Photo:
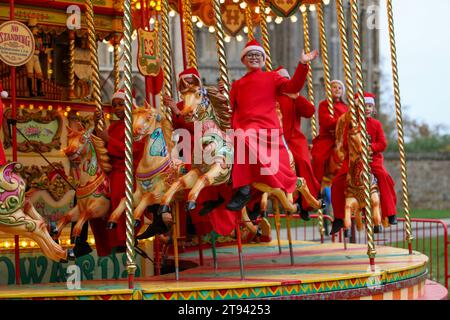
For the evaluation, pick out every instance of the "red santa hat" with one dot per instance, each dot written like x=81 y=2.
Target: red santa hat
x=190 y=73
x=369 y=98
x=253 y=45
x=283 y=72
x=3 y=93
x=120 y=94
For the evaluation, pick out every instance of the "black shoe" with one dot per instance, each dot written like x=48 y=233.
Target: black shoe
x=338 y=224
x=304 y=215
x=240 y=199
x=377 y=229
x=210 y=205
x=157 y=227
x=393 y=220
x=81 y=249
x=255 y=212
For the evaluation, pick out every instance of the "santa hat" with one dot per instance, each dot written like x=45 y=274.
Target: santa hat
x=283 y=72
x=120 y=94
x=369 y=98
x=341 y=84
x=253 y=45
x=3 y=93
x=189 y=73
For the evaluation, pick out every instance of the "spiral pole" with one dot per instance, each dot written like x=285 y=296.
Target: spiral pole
x=265 y=33
x=166 y=53
x=249 y=22
x=189 y=33
x=325 y=61
x=346 y=61
x=71 y=64
x=361 y=115
x=307 y=44
x=221 y=53
x=399 y=121
x=92 y=40
x=116 y=64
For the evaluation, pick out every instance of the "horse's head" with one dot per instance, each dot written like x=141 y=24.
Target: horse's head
x=77 y=142
x=145 y=120
x=195 y=98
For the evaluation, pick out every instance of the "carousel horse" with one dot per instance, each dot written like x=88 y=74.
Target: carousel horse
x=19 y=217
x=354 y=194
x=89 y=153
x=156 y=171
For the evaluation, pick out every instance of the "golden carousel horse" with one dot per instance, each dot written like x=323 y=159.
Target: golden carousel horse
x=19 y=217
x=89 y=153
x=156 y=171
x=354 y=194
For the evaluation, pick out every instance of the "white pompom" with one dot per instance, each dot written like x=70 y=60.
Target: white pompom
x=4 y=94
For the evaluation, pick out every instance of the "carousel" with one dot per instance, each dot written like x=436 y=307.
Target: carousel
x=66 y=232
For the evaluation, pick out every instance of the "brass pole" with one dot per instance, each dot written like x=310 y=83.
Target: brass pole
x=92 y=40
x=325 y=61
x=371 y=252
x=129 y=179
x=399 y=118
x=72 y=64
x=189 y=33
x=116 y=63
x=265 y=33
x=166 y=53
x=249 y=22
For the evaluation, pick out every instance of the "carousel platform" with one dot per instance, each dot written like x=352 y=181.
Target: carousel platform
x=320 y=271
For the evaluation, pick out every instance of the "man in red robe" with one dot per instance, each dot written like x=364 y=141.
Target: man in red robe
x=256 y=126
x=114 y=138
x=388 y=198
x=294 y=107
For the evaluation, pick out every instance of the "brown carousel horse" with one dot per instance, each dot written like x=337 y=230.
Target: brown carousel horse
x=156 y=171
x=89 y=153
x=354 y=194
x=19 y=217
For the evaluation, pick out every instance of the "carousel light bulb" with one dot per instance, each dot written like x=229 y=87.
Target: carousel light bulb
x=227 y=39
x=211 y=29
x=257 y=10
x=294 y=19
x=105 y=41
x=239 y=38
x=243 y=5
x=269 y=19
x=50 y=108
x=312 y=7
x=138 y=6
x=22 y=106
x=222 y=1
x=278 y=20
x=152 y=20
x=6 y=244
x=68 y=109
x=119 y=49
x=199 y=24
x=303 y=8
x=65 y=113
x=24 y=244
x=41 y=107
x=108 y=116
x=77 y=113
x=110 y=48
x=194 y=19
x=172 y=13
x=68 y=242
x=146 y=28
x=92 y=241
x=31 y=107
x=32 y=244
x=158 y=8
x=235 y=1
x=326 y=2
x=267 y=10
x=152 y=4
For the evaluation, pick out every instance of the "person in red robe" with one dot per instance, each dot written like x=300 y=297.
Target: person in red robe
x=293 y=107
x=388 y=198
x=3 y=95
x=324 y=143
x=114 y=138
x=257 y=130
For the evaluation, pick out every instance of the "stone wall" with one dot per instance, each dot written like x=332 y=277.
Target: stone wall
x=428 y=179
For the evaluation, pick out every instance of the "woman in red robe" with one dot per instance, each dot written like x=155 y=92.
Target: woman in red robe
x=324 y=143
x=253 y=103
x=293 y=108
x=388 y=198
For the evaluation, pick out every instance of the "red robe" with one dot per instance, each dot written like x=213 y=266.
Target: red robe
x=2 y=152
x=116 y=151
x=253 y=101
x=324 y=143
x=293 y=110
x=388 y=198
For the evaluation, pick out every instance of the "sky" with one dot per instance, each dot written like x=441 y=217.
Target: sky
x=423 y=50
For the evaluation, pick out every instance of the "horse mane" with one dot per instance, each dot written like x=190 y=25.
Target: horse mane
x=220 y=107
x=166 y=125
x=102 y=153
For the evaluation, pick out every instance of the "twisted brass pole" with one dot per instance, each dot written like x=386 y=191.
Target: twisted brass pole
x=129 y=181
x=166 y=53
x=116 y=64
x=221 y=53
x=346 y=61
x=72 y=64
x=189 y=34
x=361 y=115
x=399 y=118
x=307 y=45
x=92 y=40
x=325 y=61
x=249 y=22
x=265 y=33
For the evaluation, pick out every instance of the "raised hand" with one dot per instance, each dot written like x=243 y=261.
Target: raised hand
x=169 y=102
x=307 y=57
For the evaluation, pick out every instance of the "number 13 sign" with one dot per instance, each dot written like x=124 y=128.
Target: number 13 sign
x=149 y=63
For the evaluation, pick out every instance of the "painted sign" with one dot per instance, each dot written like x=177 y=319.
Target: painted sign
x=233 y=19
x=149 y=62
x=285 y=8
x=16 y=43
